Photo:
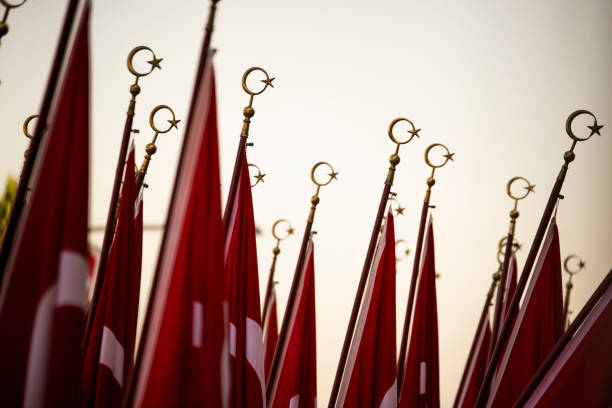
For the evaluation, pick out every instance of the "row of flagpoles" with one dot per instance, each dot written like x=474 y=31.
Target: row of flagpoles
x=205 y=340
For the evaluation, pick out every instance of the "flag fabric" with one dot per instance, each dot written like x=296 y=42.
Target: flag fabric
x=582 y=374
x=421 y=385
x=476 y=367
x=109 y=352
x=242 y=292
x=183 y=346
x=370 y=373
x=44 y=292
x=296 y=382
x=270 y=330
x=537 y=327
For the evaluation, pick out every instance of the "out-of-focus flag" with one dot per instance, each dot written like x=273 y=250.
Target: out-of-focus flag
x=44 y=292
x=537 y=328
x=109 y=353
x=421 y=385
x=270 y=330
x=242 y=292
x=509 y=289
x=296 y=384
x=182 y=354
x=370 y=374
x=476 y=367
x=581 y=375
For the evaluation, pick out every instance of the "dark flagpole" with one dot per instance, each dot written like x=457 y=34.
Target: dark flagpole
x=417 y=259
x=565 y=338
x=275 y=252
x=297 y=277
x=568 y=157
x=248 y=113
x=109 y=229
x=514 y=214
x=26 y=172
x=204 y=55
x=394 y=160
x=569 y=285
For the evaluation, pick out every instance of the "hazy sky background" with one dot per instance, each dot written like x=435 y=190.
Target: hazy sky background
x=494 y=81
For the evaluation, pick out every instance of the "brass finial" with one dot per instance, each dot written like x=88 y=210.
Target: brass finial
x=249 y=112
x=151 y=148
x=8 y=6
x=399 y=210
x=315 y=198
x=514 y=212
x=394 y=159
x=569 y=155
x=135 y=88
x=259 y=176
x=431 y=180
x=404 y=253
x=26 y=131
x=578 y=267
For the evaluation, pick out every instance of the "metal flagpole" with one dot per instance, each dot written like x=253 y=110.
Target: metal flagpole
x=394 y=160
x=297 y=277
x=514 y=214
x=417 y=257
x=568 y=157
x=248 y=113
x=569 y=285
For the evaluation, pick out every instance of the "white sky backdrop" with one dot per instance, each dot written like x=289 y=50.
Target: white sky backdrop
x=495 y=81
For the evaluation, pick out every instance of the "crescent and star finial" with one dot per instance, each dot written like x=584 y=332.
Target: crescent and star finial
x=580 y=265
x=595 y=128
x=154 y=62
x=267 y=81
x=26 y=125
x=448 y=156
x=404 y=253
x=151 y=148
x=314 y=200
x=9 y=6
x=399 y=210
x=289 y=231
x=259 y=176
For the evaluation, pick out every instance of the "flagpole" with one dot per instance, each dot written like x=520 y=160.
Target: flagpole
x=4 y=28
x=204 y=55
x=417 y=258
x=564 y=340
x=569 y=285
x=248 y=113
x=394 y=160
x=297 y=277
x=275 y=252
x=514 y=214
x=28 y=165
x=109 y=229
x=568 y=157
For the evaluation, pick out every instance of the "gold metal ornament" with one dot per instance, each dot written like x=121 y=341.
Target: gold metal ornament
x=8 y=7
x=259 y=176
x=249 y=112
x=569 y=155
x=399 y=210
x=514 y=212
x=431 y=180
x=573 y=271
x=333 y=175
x=288 y=232
x=26 y=125
x=151 y=148
x=404 y=253
x=394 y=159
x=135 y=88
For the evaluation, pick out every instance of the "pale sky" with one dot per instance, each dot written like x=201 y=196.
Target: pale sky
x=494 y=81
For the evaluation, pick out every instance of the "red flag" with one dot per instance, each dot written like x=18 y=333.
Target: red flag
x=509 y=289
x=421 y=387
x=182 y=356
x=296 y=383
x=270 y=331
x=476 y=367
x=44 y=293
x=370 y=374
x=582 y=374
x=242 y=291
x=110 y=349
x=537 y=327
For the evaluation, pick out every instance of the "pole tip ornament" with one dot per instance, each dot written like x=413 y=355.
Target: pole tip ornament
x=529 y=188
x=413 y=131
x=404 y=253
x=154 y=62
x=288 y=231
x=173 y=122
x=595 y=128
x=26 y=125
x=267 y=81
x=578 y=266
x=399 y=210
x=333 y=175
x=447 y=157
x=259 y=176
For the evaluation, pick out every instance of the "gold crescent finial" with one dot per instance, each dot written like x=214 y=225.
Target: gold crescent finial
x=404 y=253
x=151 y=148
x=154 y=62
x=11 y=6
x=314 y=200
x=528 y=189
x=580 y=266
x=595 y=128
x=413 y=132
x=259 y=176
x=431 y=180
x=399 y=210
x=289 y=231
x=267 y=82
x=26 y=125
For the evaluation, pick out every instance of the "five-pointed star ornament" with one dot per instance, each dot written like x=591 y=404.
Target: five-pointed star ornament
x=259 y=177
x=268 y=81
x=155 y=63
x=595 y=128
x=334 y=175
x=415 y=132
x=449 y=156
x=530 y=188
x=290 y=231
x=400 y=210
x=581 y=264
x=174 y=123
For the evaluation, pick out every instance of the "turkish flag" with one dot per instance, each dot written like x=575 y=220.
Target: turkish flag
x=370 y=373
x=476 y=367
x=109 y=352
x=296 y=383
x=270 y=330
x=537 y=327
x=44 y=292
x=421 y=387
x=582 y=374
x=242 y=292
x=182 y=352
